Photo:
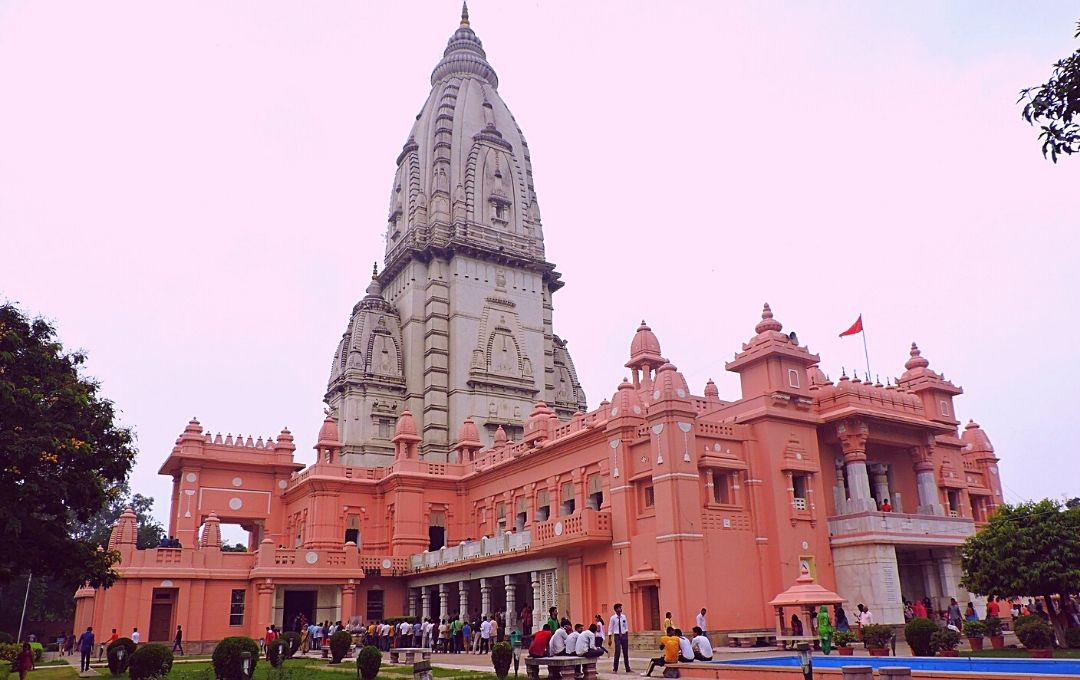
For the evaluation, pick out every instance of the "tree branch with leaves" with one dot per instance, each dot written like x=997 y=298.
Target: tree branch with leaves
x=1055 y=107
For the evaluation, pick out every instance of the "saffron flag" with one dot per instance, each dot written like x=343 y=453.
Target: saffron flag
x=855 y=327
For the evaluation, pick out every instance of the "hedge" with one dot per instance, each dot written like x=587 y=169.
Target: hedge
x=150 y=661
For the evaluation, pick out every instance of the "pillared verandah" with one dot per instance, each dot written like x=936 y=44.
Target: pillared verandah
x=459 y=470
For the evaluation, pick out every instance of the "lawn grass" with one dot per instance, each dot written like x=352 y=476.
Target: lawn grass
x=1021 y=654
x=313 y=669
x=64 y=672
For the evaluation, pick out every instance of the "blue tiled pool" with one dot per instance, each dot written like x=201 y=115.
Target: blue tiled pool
x=918 y=663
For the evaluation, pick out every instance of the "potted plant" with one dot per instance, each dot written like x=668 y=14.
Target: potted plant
x=1037 y=638
x=996 y=632
x=974 y=632
x=917 y=633
x=502 y=654
x=877 y=638
x=945 y=642
x=843 y=639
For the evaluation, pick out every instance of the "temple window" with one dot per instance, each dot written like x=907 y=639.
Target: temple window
x=799 y=486
x=954 y=502
x=500 y=517
x=596 y=493
x=943 y=406
x=793 y=378
x=648 y=497
x=543 y=505
x=375 y=605
x=385 y=428
x=236 y=607
x=521 y=517
x=725 y=482
x=568 y=503
x=436 y=530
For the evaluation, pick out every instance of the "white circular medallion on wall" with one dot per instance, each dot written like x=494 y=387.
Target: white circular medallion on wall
x=236 y=481
x=386 y=563
x=166 y=584
x=191 y=476
x=311 y=557
x=681 y=392
x=558 y=528
x=656 y=395
x=614 y=411
x=282 y=483
x=235 y=503
x=805 y=545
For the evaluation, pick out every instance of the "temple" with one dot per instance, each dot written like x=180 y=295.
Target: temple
x=459 y=469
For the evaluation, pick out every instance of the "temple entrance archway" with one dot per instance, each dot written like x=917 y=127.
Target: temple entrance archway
x=297 y=602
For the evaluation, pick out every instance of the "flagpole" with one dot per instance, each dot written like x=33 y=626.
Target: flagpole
x=865 y=350
x=26 y=598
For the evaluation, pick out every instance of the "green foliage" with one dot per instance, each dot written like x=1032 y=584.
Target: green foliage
x=843 y=638
x=1035 y=635
x=944 y=639
x=1029 y=548
x=368 y=661
x=917 y=633
x=877 y=635
x=1021 y=621
x=1054 y=105
x=118 y=663
x=228 y=657
x=63 y=454
x=339 y=646
x=1072 y=638
x=994 y=627
x=292 y=639
x=239 y=547
x=276 y=652
x=8 y=651
x=975 y=629
x=502 y=655
x=150 y=661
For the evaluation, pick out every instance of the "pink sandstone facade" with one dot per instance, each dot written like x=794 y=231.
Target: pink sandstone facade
x=459 y=470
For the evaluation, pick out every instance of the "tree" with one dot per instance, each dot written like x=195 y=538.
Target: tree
x=62 y=454
x=1031 y=548
x=239 y=547
x=99 y=527
x=1055 y=105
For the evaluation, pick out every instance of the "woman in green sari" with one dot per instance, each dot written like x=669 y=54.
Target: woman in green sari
x=824 y=629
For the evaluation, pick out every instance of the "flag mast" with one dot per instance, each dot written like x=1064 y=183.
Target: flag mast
x=866 y=351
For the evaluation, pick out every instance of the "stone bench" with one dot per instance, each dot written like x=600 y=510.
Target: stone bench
x=783 y=640
x=737 y=638
x=560 y=667
x=410 y=654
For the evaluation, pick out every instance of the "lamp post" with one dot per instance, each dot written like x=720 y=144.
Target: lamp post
x=806 y=661
x=245 y=664
x=120 y=652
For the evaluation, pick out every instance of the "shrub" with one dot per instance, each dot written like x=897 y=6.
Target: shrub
x=8 y=651
x=339 y=646
x=945 y=639
x=993 y=626
x=368 y=661
x=150 y=661
x=118 y=665
x=1035 y=635
x=276 y=652
x=228 y=657
x=1021 y=621
x=292 y=640
x=877 y=635
x=1072 y=638
x=918 y=632
x=6 y=638
x=502 y=655
x=975 y=629
x=843 y=638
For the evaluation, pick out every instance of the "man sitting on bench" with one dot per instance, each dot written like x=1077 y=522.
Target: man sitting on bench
x=670 y=644
x=557 y=646
x=702 y=646
x=686 y=650
x=586 y=644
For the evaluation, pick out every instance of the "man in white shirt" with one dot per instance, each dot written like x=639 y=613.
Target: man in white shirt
x=405 y=629
x=865 y=617
x=557 y=646
x=485 y=635
x=135 y=635
x=425 y=633
x=701 y=620
x=619 y=630
x=686 y=650
x=701 y=645
x=571 y=640
x=586 y=643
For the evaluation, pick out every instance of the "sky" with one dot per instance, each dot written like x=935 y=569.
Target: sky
x=194 y=194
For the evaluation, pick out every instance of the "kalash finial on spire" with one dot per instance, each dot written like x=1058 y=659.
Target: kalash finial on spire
x=465 y=14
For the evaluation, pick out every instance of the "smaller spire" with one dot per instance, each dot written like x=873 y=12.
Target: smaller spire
x=375 y=269
x=465 y=14
x=917 y=360
x=767 y=323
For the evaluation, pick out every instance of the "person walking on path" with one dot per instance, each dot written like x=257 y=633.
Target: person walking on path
x=700 y=621
x=824 y=629
x=86 y=648
x=954 y=613
x=619 y=630
x=178 y=641
x=24 y=662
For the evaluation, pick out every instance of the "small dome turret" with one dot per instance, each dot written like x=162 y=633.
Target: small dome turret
x=711 y=391
x=406 y=425
x=917 y=360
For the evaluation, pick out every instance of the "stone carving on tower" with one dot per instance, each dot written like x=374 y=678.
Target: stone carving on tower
x=366 y=392
x=466 y=272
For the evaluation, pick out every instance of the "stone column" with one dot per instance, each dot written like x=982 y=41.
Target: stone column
x=265 y=607
x=857 y=672
x=485 y=597
x=895 y=673
x=511 y=602
x=425 y=602
x=444 y=597
x=853 y=436
x=839 y=491
x=348 y=602
x=412 y=603
x=463 y=598
x=929 y=502
x=538 y=616
x=880 y=478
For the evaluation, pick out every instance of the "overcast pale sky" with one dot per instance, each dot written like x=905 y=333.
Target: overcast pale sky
x=194 y=193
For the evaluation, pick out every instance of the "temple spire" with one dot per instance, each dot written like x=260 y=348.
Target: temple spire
x=464 y=14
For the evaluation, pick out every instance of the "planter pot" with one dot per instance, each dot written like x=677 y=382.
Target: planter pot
x=948 y=652
x=845 y=651
x=1041 y=653
x=976 y=644
x=997 y=641
x=878 y=651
